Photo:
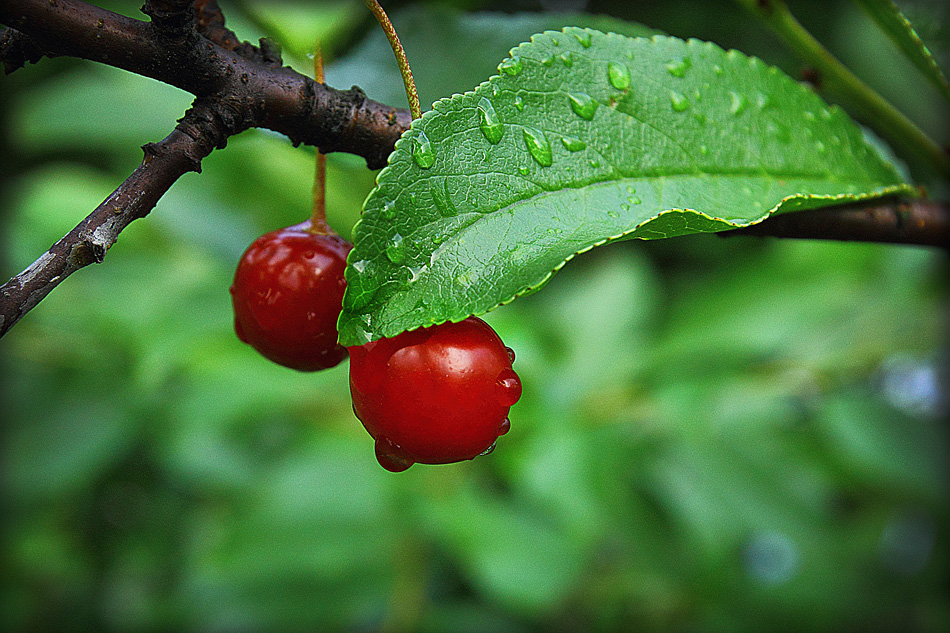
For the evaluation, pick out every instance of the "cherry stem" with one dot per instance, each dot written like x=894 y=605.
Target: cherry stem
x=414 y=109
x=318 y=214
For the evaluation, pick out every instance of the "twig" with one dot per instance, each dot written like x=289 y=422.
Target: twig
x=891 y=221
x=196 y=135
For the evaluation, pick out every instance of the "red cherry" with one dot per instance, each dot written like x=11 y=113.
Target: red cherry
x=434 y=395
x=288 y=293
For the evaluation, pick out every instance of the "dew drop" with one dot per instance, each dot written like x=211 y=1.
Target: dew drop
x=567 y=59
x=511 y=66
x=825 y=114
x=548 y=60
x=391 y=457
x=524 y=171
x=389 y=210
x=509 y=387
x=634 y=200
x=678 y=67
x=489 y=122
x=737 y=103
x=594 y=163
x=495 y=90
x=361 y=266
x=820 y=147
x=613 y=214
x=395 y=250
x=422 y=152
x=572 y=144
x=584 y=38
x=583 y=105
x=555 y=41
x=809 y=115
x=678 y=101
x=762 y=100
x=504 y=427
x=511 y=354
x=519 y=102
x=618 y=75
x=717 y=69
x=488 y=450
x=703 y=150
x=538 y=146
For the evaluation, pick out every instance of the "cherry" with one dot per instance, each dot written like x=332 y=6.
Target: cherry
x=434 y=395
x=288 y=293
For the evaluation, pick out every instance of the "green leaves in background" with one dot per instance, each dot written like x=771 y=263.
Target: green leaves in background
x=450 y=50
x=585 y=138
x=897 y=27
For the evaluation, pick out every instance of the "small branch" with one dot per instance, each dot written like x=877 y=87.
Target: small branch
x=197 y=134
x=891 y=221
x=260 y=91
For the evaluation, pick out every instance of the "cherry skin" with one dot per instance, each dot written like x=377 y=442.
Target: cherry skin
x=434 y=395
x=287 y=295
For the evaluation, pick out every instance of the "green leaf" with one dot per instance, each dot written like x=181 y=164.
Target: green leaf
x=585 y=138
x=897 y=27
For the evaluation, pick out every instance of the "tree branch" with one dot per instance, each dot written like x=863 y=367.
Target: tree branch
x=259 y=91
x=891 y=221
x=196 y=135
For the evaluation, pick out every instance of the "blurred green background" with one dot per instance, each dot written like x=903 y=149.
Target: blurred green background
x=715 y=434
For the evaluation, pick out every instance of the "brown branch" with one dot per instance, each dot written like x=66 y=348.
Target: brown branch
x=891 y=221
x=260 y=92
x=196 y=135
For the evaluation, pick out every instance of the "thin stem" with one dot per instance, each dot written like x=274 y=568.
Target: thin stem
x=318 y=214
x=401 y=59
x=891 y=123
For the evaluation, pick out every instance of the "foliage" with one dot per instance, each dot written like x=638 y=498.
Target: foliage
x=715 y=434
x=585 y=138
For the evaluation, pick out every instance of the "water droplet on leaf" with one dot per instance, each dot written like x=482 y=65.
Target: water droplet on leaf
x=678 y=101
x=678 y=67
x=511 y=66
x=538 y=146
x=618 y=75
x=519 y=102
x=584 y=38
x=567 y=59
x=422 y=152
x=583 y=105
x=489 y=122
x=395 y=251
x=572 y=144
x=737 y=103
x=389 y=210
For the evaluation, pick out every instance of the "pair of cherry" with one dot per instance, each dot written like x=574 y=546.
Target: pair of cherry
x=434 y=395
